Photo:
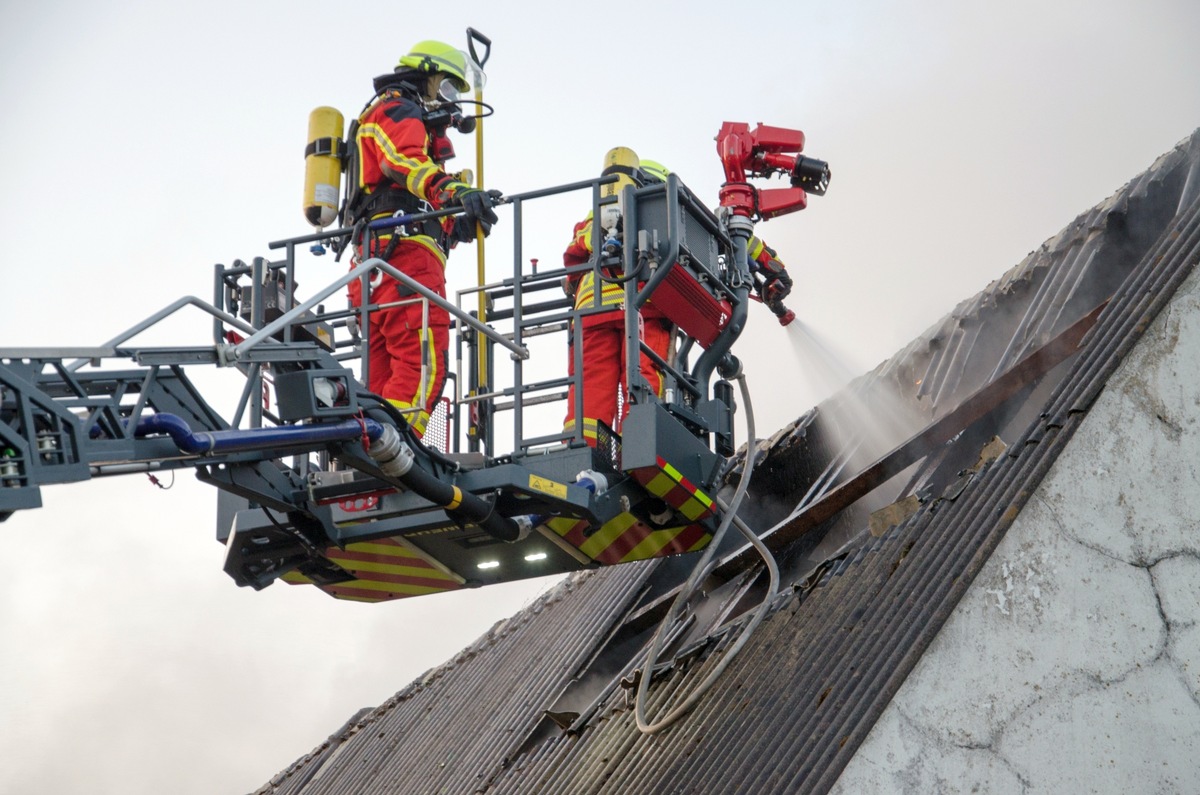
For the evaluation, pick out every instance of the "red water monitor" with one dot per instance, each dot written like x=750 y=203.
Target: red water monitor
x=764 y=152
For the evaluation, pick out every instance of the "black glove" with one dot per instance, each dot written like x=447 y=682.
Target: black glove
x=777 y=285
x=477 y=209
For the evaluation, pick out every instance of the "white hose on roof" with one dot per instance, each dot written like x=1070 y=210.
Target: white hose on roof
x=730 y=517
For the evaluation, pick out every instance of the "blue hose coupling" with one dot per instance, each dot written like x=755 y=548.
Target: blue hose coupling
x=593 y=481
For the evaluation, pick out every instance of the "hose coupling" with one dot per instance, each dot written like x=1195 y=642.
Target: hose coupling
x=391 y=453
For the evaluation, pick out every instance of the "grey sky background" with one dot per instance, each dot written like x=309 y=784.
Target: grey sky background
x=146 y=141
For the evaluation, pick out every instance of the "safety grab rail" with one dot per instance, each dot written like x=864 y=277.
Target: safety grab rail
x=160 y=315
x=366 y=266
x=384 y=223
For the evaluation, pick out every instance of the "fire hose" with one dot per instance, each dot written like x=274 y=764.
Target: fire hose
x=689 y=588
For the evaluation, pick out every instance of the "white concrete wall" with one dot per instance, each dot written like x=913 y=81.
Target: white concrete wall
x=1073 y=664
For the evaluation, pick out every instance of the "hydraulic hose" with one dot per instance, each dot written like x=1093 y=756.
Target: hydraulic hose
x=730 y=516
x=237 y=441
x=739 y=231
x=395 y=459
x=392 y=454
x=406 y=431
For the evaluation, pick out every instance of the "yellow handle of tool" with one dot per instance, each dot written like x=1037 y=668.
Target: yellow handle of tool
x=479 y=239
x=474 y=36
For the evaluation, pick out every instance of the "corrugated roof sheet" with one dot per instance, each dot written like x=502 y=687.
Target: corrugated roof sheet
x=457 y=717
x=857 y=612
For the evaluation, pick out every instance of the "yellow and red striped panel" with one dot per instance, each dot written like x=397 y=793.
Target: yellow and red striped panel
x=624 y=539
x=668 y=484
x=384 y=569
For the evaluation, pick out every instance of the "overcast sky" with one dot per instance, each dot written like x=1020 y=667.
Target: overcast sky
x=143 y=143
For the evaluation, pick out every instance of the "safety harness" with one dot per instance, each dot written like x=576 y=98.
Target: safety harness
x=388 y=199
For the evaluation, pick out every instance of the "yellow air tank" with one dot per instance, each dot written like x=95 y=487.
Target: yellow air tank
x=623 y=161
x=323 y=166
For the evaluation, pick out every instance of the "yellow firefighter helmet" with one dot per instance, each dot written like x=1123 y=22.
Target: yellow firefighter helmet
x=654 y=172
x=436 y=56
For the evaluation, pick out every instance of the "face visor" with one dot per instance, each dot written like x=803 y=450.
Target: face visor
x=442 y=90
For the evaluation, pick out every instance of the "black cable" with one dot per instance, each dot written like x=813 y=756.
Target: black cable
x=490 y=110
x=637 y=272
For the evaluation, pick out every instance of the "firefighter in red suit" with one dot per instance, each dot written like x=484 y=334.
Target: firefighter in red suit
x=604 y=332
x=604 y=388
x=395 y=169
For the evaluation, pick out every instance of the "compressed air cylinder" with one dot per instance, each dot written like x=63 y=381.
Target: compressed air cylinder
x=623 y=161
x=323 y=166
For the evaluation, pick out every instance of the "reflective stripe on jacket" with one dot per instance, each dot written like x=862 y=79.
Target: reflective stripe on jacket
x=579 y=252
x=393 y=152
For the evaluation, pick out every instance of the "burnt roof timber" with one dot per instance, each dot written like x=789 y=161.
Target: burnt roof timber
x=985 y=400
